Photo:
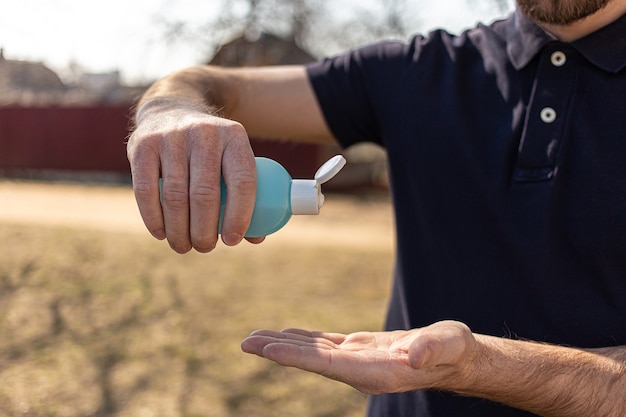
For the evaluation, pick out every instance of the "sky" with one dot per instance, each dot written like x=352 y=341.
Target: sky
x=124 y=35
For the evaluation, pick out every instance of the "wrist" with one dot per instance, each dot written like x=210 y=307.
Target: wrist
x=475 y=372
x=467 y=375
x=157 y=105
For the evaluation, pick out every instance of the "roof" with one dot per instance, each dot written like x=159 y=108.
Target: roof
x=23 y=81
x=24 y=84
x=264 y=49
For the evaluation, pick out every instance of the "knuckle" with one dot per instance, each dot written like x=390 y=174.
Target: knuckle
x=243 y=180
x=237 y=130
x=234 y=135
x=205 y=193
x=176 y=194
x=214 y=129
x=198 y=131
x=142 y=151
x=144 y=189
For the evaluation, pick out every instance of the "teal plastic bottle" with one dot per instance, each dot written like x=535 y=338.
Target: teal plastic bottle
x=278 y=196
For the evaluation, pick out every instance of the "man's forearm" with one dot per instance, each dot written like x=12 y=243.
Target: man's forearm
x=549 y=380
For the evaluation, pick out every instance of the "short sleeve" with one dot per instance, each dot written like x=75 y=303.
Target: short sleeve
x=352 y=88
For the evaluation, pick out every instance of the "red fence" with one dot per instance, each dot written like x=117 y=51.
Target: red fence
x=91 y=139
x=69 y=139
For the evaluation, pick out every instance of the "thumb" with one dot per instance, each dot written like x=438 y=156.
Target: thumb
x=442 y=343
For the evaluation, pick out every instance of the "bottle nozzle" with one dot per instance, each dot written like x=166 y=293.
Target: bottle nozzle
x=306 y=195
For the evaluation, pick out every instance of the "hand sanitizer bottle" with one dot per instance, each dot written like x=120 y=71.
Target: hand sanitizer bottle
x=278 y=196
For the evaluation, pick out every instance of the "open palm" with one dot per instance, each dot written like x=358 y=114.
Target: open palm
x=372 y=362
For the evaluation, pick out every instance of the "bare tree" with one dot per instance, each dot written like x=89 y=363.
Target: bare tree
x=290 y=19
x=383 y=19
x=314 y=25
x=380 y=19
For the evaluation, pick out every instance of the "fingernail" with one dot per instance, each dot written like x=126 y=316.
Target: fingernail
x=232 y=239
x=159 y=234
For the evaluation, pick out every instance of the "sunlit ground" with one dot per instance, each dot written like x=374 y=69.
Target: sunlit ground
x=97 y=318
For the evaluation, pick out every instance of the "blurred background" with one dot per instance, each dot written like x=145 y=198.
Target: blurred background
x=70 y=69
x=145 y=39
x=99 y=319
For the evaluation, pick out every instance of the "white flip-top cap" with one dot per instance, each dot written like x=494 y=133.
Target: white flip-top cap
x=306 y=195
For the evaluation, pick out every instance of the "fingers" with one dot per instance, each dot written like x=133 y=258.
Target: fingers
x=239 y=173
x=145 y=174
x=191 y=155
x=175 y=195
x=259 y=339
x=354 y=361
x=204 y=195
x=303 y=356
x=295 y=348
x=335 y=338
x=255 y=240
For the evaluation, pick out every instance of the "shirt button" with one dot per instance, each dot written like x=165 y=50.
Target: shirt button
x=558 y=59
x=548 y=115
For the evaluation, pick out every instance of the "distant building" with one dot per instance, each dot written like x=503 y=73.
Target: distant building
x=104 y=88
x=32 y=84
x=260 y=48
x=28 y=83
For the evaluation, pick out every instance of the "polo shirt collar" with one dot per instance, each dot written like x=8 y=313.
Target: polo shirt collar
x=604 y=48
x=524 y=39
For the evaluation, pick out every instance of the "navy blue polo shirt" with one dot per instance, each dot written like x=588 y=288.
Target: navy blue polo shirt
x=507 y=155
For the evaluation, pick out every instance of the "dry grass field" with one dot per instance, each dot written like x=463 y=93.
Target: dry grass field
x=99 y=319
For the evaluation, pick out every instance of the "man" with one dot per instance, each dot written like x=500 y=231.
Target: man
x=506 y=148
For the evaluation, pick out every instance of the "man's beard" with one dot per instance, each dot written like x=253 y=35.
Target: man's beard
x=560 y=12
